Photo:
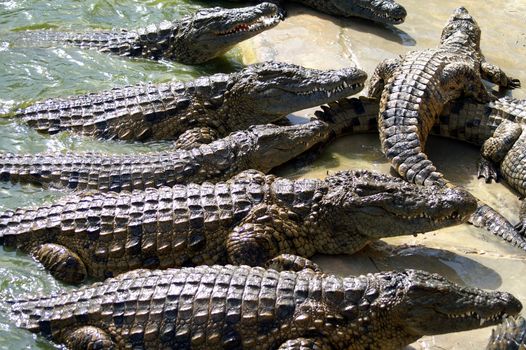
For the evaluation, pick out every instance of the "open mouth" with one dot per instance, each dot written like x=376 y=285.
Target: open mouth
x=396 y=20
x=384 y=17
x=474 y=316
x=261 y=23
x=349 y=88
x=455 y=216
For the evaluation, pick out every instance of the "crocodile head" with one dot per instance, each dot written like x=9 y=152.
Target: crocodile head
x=461 y=29
x=275 y=89
x=211 y=32
x=383 y=11
x=378 y=206
x=397 y=308
x=267 y=146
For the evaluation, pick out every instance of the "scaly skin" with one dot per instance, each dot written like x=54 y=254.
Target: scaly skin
x=510 y=335
x=194 y=39
x=464 y=120
x=238 y=307
x=198 y=111
x=247 y=220
x=260 y=147
x=505 y=149
x=414 y=90
x=382 y=11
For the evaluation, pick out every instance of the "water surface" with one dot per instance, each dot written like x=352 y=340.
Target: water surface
x=30 y=74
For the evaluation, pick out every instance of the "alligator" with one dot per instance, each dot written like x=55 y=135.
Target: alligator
x=414 y=89
x=199 y=111
x=241 y=307
x=462 y=119
x=194 y=39
x=261 y=147
x=382 y=11
x=509 y=335
x=249 y=219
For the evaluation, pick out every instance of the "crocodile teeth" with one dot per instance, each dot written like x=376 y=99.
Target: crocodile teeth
x=262 y=22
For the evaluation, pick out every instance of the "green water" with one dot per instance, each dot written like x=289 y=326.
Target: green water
x=30 y=73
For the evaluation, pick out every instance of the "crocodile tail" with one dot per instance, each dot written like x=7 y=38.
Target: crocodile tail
x=70 y=170
x=351 y=115
x=27 y=228
x=33 y=313
x=21 y=169
x=405 y=121
x=124 y=43
x=6 y=234
x=487 y=218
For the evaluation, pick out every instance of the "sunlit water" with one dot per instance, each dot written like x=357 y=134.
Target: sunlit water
x=29 y=74
x=464 y=254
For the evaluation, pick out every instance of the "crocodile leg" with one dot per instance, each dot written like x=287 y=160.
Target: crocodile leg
x=461 y=76
x=290 y=262
x=487 y=170
x=89 y=337
x=196 y=137
x=496 y=75
x=261 y=236
x=496 y=148
x=61 y=262
x=305 y=344
x=381 y=75
x=521 y=225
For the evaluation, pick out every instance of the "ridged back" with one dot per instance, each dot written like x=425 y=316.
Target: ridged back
x=80 y=171
x=162 y=227
x=139 y=112
x=207 y=307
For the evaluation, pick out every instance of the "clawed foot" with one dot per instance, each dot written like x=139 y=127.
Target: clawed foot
x=513 y=83
x=487 y=170
x=290 y=262
x=520 y=227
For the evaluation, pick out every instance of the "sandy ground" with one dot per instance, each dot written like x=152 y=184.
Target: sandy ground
x=464 y=254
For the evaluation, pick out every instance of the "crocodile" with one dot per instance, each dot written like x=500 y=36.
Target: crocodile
x=505 y=148
x=249 y=219
x=198 y=111
x=509 y=335
x=414 y=89
x=381 y=11
x=194 y=39
x=241 y=307
x=463 y=119
x=261 y=147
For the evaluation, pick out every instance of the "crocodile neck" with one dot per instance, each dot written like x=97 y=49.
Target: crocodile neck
x=315 y=211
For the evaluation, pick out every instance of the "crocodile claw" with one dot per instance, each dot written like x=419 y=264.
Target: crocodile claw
x=514 y=83
x=487 y=170
x=520 y=227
